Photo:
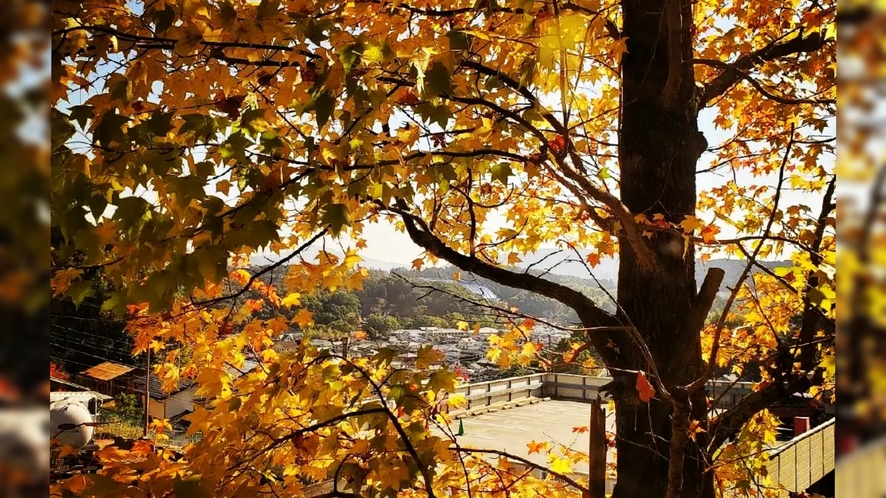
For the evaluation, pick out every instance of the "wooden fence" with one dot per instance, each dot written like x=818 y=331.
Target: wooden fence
x=804 y=460
x=861 y=473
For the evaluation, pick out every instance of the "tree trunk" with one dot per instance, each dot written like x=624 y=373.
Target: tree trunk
x=659 y=147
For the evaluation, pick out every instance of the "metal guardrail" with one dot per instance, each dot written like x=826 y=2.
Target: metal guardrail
x=577 y=387
x=501 y=391
x=560 y=386
x=573 y=387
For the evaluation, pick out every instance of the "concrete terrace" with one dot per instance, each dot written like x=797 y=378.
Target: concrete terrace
x=507 y=414
x=512 y=429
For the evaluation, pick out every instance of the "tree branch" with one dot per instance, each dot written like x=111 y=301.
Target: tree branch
x=730 y=422
x=811 y=311
x=721 y=323
x=734 y=72
x=255 y=276
x=698 y=313
x=572 y=482
x=759 y=86
x=588 y=311
x=631 y=231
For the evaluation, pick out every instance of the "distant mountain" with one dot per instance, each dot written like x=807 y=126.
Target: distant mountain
x=566 y=263
x=556 y=262
x=310 y=255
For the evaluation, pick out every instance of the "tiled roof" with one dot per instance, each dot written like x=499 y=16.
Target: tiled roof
x=156 y=386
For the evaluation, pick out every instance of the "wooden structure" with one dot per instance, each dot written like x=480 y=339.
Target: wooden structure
x=805 y=460
x=108 y=378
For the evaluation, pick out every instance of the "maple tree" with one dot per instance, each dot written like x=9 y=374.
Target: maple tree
x=191 y=135
x=57 y=373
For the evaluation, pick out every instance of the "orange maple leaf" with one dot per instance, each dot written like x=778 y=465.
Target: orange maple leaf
x=593 y=259
x=644 y=388
x=708 y=234
x=535 y=447
x=558 y=145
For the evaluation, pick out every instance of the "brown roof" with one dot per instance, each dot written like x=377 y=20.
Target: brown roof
x=107 y=371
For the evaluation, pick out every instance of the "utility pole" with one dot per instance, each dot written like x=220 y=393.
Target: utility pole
x=147 y=390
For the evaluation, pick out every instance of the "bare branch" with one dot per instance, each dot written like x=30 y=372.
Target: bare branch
x=775 y=50
x=575 y=484
x=759 y=86
x=721 y=323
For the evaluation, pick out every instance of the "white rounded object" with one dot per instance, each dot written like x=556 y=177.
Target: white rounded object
x=23 y=440
x=68 y=421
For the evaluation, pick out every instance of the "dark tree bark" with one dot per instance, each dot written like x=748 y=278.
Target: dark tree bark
x=659 y=146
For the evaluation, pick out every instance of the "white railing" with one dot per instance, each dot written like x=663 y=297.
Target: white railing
x=502 y=391
x=573 y=387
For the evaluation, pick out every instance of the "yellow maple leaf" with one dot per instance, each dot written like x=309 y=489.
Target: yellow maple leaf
x=303 y=318
x=457 y=401
x=65 y=450
x=291 y=299
x=561 y=466
x=352 y=258
x=691 y=223
x=161 y=425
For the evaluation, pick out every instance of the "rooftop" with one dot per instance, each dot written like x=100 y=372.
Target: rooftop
x=512 y=429
x=107 y=371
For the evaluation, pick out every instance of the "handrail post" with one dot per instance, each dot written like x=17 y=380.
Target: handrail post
x=597 y=451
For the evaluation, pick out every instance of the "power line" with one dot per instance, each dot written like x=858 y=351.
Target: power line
x=80 y=342
x=90 y=333
x=126 y=346
x=91 y=351
x=67 y=360
x=59 y=346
